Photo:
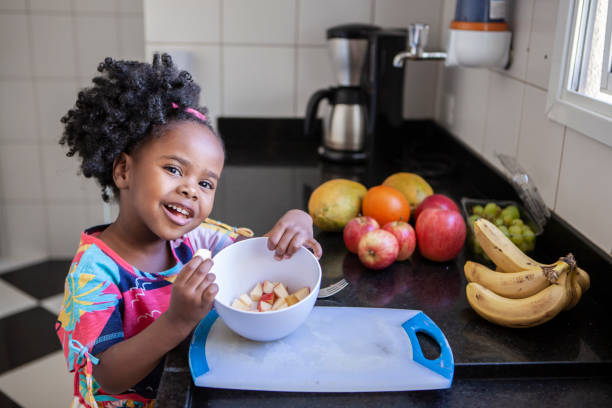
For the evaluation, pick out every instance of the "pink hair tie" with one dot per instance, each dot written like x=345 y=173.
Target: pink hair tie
x=192 y=111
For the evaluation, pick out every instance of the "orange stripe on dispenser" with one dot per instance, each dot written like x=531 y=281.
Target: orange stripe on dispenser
x=478 y=26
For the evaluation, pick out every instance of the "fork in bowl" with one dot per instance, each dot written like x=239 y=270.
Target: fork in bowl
x=332 y=289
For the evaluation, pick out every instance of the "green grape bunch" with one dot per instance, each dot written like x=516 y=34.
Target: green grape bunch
x=508 y=220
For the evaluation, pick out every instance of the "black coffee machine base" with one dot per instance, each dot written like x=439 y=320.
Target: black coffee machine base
x=342 y=155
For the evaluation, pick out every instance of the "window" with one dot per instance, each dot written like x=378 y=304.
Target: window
x=580 y=89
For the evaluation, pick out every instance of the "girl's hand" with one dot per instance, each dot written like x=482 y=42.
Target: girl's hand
x=193 y=293
x=293 y=230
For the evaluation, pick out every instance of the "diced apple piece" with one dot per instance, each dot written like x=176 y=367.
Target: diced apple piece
x=279 y=304
x=268 y=287
x=203 y=253
x=291 y=300
x=302 y=293
x=244 y=298
x=267 y=298
x=280 y=290
x=263 y=306
x=257 y=292
x=238 y=304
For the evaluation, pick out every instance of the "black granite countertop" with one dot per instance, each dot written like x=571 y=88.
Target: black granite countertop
x=271 y=168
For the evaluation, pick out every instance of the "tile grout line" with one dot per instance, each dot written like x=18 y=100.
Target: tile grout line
x=39 y=145
x=296 y=58
x=560 y=167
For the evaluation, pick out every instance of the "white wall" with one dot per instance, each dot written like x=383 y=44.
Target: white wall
x=265 y=58
x=503 y=111
x=50 y=49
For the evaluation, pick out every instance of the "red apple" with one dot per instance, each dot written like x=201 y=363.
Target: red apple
x=378 y=249
x=440 y=234
x=435 y=201
x=406 y=238
x=357 y=228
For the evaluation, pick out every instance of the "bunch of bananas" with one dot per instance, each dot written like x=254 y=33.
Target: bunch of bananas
x=521 y=292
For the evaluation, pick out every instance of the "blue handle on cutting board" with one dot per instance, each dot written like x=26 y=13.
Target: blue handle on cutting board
x=444 y=364
x=197 y=354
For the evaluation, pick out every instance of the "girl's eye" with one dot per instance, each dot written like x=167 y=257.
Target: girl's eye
x=206 y=184
x=173 y=170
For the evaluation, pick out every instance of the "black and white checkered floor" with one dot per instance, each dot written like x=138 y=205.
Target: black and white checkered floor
x=33 y=372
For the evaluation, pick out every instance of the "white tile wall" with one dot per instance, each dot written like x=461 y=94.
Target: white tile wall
x=14 y=43
x=49 y=5
x=316 y=16
x=60 y=175
x=25 y=230
x=520 y=17
x=50 y=58
x=258 y=81
x=50 y=49
x=585 y=188
x=96 y=40
x=259 y=22
x=541 y=42
x=314 y=72
x=18 y=109
x=503 y=117
x=13 y=5
x=66 y=222
x=54 y=98
x=540 y=144
x=564 y=164
x=465 y=95
x=400 y=13
x=195 y=21
x=21 y=179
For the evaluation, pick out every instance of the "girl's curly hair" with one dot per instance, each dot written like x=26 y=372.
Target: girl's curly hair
x=126 y=105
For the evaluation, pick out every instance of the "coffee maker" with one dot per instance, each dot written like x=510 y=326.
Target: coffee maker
x=368 y=98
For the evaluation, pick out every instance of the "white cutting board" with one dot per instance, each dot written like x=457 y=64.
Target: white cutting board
x=337 y=349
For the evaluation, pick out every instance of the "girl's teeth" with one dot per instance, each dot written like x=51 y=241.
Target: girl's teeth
x=182 y=211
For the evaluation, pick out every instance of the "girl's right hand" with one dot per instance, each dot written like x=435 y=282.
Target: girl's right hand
x=193 y=293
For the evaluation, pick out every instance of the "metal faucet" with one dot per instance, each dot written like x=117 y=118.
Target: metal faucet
x=417 y=40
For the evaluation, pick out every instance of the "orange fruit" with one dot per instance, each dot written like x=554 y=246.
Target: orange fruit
x=412 y=186
x=385 y=204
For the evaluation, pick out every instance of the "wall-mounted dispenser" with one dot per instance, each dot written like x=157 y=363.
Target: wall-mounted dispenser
x=478 y=37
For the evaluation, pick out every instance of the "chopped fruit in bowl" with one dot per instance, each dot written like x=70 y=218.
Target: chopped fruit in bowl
x=261 y=298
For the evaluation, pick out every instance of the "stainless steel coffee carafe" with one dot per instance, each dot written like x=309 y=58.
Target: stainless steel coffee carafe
x=345 y=128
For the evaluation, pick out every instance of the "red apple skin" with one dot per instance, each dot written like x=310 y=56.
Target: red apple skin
x=378 y=249
x=440 y=234
x=406 y=238
x=435 y=201
x=357 y=228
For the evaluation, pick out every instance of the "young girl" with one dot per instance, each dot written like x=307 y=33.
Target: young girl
x=134 y=290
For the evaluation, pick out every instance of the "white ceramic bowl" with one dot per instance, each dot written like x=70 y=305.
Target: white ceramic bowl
x=240 y=266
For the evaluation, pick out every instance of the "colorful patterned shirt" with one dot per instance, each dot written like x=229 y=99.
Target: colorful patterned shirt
x=107 y=300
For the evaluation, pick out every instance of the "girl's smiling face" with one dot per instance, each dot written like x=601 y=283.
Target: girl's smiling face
x=168 y=184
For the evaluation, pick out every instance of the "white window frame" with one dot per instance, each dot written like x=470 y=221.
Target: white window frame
x=606 y=71
x=586 y=115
